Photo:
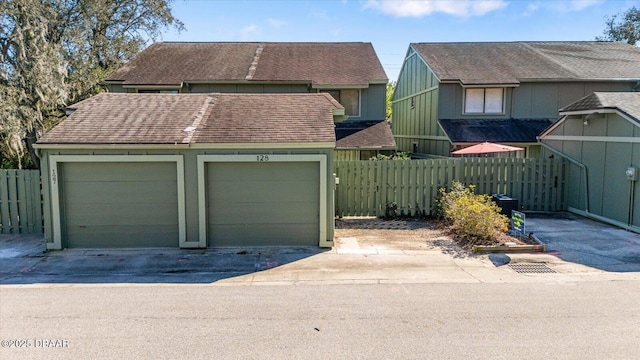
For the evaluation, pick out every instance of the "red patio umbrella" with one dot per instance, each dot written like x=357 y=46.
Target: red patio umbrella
x=486 y=147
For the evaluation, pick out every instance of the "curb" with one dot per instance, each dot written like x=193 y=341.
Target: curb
x=512 y=249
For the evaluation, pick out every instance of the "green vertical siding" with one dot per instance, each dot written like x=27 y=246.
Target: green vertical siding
x=609 y=191
x=373 y=102
x=418 y=125
x=417 y=86
x=542 y=100
x=372 y=99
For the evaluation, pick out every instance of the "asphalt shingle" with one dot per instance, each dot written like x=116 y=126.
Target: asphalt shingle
x=493 y=130
x=316 y=63
x=111 y=118
x=512 y=62
x=364 y=135
x=627 y=102
x=269 y=118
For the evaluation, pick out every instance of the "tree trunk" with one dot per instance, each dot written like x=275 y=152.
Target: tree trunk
x=32 y=137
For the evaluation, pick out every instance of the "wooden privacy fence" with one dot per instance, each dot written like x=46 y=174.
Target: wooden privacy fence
x=20 y=202
x=366 y=188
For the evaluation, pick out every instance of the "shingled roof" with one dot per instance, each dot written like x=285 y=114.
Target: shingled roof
x=175 y=63
x=626 y=102
x=464 y=131
x=111 y=118
x=367 y=135
x=484 y=63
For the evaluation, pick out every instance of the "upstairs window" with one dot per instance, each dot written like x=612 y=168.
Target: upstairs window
x=349 y=98
x=484 y=101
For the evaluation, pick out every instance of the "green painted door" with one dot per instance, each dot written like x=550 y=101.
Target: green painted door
x=263 y=204
x=127 y=204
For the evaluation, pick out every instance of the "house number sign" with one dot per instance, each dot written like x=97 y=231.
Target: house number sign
x=262 y=158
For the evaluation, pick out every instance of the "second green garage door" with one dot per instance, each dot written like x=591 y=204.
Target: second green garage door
x=263 y=204
x=120 y=204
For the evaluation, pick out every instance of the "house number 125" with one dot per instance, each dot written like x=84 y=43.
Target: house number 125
x=262 y=158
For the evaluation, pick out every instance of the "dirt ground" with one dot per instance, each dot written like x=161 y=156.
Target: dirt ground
x=375 y=233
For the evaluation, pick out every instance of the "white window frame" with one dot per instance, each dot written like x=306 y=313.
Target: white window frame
x=484 y=102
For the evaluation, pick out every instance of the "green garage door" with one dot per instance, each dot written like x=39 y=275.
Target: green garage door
x=263 y=204
x=127 y=204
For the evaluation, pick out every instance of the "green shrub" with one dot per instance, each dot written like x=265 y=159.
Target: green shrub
x=475 y=218
x=395 y=156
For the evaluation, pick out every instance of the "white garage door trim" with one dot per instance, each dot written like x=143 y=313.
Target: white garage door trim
x=55 y=193
x=262 y=158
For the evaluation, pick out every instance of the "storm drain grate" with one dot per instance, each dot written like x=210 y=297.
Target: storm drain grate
x=532 y=268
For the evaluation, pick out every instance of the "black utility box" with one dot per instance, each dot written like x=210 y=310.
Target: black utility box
x=505 y=203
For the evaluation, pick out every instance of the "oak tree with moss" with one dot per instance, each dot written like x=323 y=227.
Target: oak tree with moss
x=57 y=52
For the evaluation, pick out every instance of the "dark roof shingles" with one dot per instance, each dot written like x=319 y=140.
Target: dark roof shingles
x=364 y=135
x=318 y=63
x=493 y=130
x=627 y=102
x=510 y=62
x=111 y=118
x=321 y=63
x=174 y=63
x=128 y=119
x=269 y=118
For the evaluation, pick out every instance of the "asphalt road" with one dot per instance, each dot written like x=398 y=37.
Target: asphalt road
x=551 y=320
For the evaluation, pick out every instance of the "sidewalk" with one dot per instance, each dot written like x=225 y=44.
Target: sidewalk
x=372 y=256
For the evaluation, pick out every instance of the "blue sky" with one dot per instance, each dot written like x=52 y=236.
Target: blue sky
x=392 y=24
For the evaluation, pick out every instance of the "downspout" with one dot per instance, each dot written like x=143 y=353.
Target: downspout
x=579 y=164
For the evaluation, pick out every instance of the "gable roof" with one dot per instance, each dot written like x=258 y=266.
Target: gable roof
x=626 y=102
x=509 y=63
x=111 y=118
x=364 y=135
x=175 y=63
x=461 y=131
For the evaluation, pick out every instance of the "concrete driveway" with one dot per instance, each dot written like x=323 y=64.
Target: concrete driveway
x=579 y=240
x=367 y=251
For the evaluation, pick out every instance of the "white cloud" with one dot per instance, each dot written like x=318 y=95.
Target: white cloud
x=532 y=8
x=418 y=8
x=248 y=31
x=276 y=23
x=320 y=15
x=578 y=5
x=561 y=6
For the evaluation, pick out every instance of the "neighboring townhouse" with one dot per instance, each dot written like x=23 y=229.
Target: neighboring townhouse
x=452 y=95
x=350 y=72
x=600 y=136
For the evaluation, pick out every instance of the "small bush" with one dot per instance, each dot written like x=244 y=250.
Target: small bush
x=391 y=211
x=475 y=218
x=395 y=156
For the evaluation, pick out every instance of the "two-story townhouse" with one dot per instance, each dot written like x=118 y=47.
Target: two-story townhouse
x=452 y=95
x=351 y=72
